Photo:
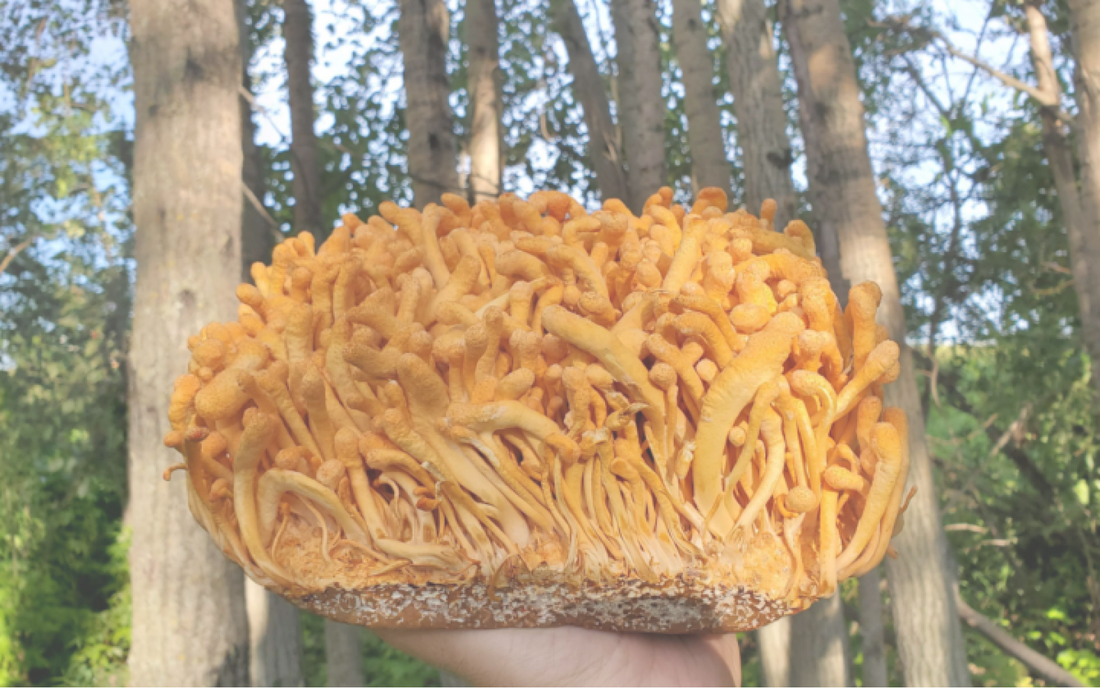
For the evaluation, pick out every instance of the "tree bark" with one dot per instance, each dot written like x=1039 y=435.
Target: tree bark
x=423 y=28
x=819 y=646
x=709 y=166
x=483 y=84
x=641 y=108
x=872 y=629
x=189 y=621
x=766 y=161
x=591 y=93
x=775 y=652
x=275 y=638
x=304 y=161
x=758 y=103
x=842 y=191
x=1085 y=15
x=343 y=653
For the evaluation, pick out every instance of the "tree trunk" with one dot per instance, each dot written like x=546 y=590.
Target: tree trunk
x=275 y=637
x=189 y=621
x=872 y=629
x=483 y=84
x=775 y=652
x=298 y=32
x=709 y=166
x=1085 y=15
x=641 y=107
x=758 y=102
x=842 y=190
x=766 y=161
x=343 y=654
x=423 y=28
x=590 y=92
x=819 y=646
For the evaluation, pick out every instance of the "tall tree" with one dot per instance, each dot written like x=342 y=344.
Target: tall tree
x=758 y=103
x=872 y=631
x=343 y=654
x=423 y=29
x=842 y=192
x=588 y=85
x=766 y=159
x=709 y=166
x=1085 y=15
x=304 y=161
x=775 y=651
x=640 y=107
x=483 y=84
x=189 y=621
x=819 y=646
x=275 y=638
x=274 y=626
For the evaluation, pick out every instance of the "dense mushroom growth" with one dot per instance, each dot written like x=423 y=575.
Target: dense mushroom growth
x=474 y=393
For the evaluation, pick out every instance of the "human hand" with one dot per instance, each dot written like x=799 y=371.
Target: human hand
x=575 y=656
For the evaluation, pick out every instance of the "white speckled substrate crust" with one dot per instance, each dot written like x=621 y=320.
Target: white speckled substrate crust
x=674 y=606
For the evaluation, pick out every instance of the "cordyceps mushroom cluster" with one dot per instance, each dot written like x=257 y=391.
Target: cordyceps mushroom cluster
x=524 y=414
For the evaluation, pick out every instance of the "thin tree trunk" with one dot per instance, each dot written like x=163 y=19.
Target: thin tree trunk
x=298 y=32
x=758 y=102
x=343 y=652
x=275 y=638
x=819 y=646
x=842 y=190
x=641 y=108
x=1085 y=24
x=872 y=629
x=189 y=621
x=709 y=166
x=423 y=28
x=590 y=92
x=483 y=84
x=774 y=641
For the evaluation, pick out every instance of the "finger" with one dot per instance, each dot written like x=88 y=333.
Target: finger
x=545 y=656
x=728 y=652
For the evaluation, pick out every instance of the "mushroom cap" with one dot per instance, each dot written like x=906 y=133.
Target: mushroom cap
x=520 y=414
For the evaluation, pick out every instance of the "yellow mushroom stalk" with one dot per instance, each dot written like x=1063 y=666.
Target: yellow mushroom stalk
x=474 y=399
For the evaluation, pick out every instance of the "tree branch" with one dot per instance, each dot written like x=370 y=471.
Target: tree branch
x=251 y=196
x=1036 y=663
x=15 y=251
x=901 y=24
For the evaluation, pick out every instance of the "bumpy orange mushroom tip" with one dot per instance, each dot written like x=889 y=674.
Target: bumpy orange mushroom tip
x=519 y=414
